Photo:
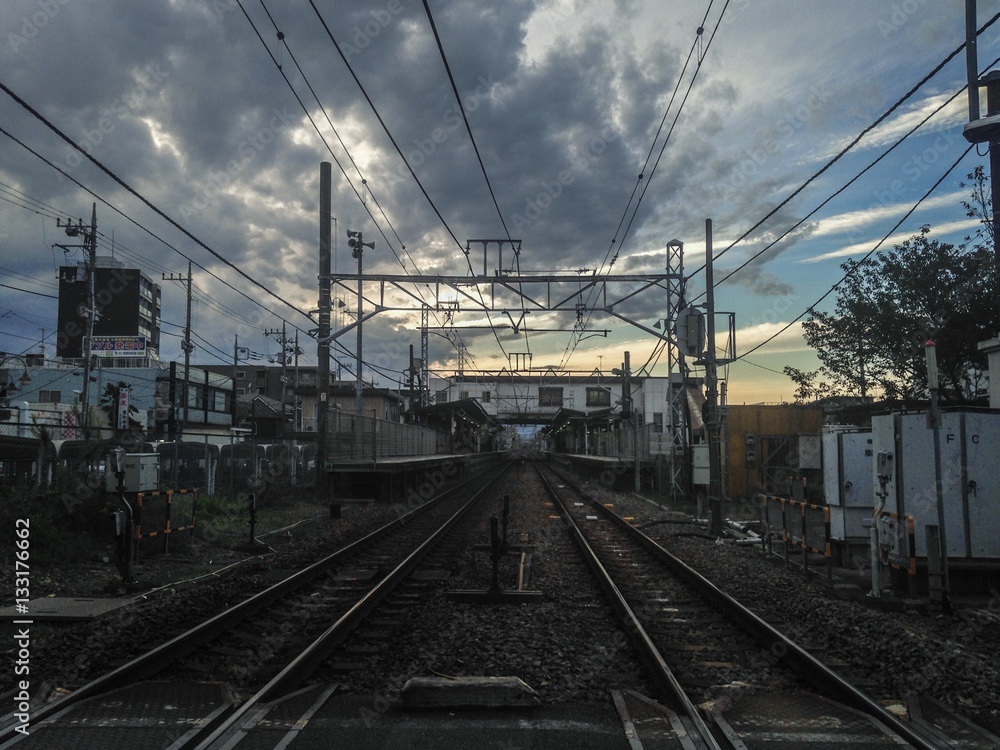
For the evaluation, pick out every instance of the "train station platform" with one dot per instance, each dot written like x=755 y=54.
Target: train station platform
x=612 y=471
x=399 y=478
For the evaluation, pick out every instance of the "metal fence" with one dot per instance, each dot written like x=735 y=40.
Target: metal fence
x=621 y=443
x=361 y=438
x=160 y=514
x=797 y=525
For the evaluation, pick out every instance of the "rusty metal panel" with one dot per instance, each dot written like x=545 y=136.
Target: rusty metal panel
x=761 y=420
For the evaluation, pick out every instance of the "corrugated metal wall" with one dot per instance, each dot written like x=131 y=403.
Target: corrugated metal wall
x=761 y=421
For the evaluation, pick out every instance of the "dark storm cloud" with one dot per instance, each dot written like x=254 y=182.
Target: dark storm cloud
x=183 y=101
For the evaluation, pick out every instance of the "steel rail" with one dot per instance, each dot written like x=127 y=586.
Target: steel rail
x=313 y=655
x=648 y=651
x=807 y=665
x=159 y=658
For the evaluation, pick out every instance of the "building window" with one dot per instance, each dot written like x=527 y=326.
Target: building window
x=463 y=395
x=442 y=396
x=240 y=391
x=486 y=397
x=598 y=397
x=241 y=374
x=261 y=374
x=49 y=397
x=221 y=401
x=657 y=421
x=550 y=396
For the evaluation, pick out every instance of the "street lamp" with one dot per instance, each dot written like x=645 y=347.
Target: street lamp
x=10 y=386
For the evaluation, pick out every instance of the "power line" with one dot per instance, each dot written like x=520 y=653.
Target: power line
x=29 y=291
x=840 y=190
x=305 y=79
x=479 y=157
x=128 y=218
x=388 y=133
x=574 y=342
x=284 y=41
x=149 y=204
x=867 y=255
x=878 y=121
x=381 y=121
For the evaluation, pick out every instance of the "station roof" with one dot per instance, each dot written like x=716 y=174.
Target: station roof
x=469 y=409
x=565 y=416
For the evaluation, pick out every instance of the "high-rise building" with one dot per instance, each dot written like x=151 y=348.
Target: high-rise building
x=128 y=312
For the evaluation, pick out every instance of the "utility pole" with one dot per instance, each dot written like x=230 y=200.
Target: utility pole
x=357 y=244
x=323 y=334
x=934 y=417
x=985 y=130
x=186 y=344
x=90 y=247
x=283 y=341
x=236 y=363
x=628 y=413
x=712 y=393
x=296 y=417
x=424 y=356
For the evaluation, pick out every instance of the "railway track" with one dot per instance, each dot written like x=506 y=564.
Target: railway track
x=328 y=654
x=739 y=682
x=268 y=644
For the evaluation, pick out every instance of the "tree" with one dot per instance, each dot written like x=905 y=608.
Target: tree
x=890 y=304
x=806 y=387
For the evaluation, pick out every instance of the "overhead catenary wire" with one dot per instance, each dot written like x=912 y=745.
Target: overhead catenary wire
x=399 y=151
x=479 y=156
x=284 y=41
x=576 y=338
x=365 y=186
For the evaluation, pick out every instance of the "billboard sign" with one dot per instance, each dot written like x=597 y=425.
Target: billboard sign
x=123 y=408
x=118 y=346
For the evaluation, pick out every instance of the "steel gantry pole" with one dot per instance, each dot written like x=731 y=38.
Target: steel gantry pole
x=712 y=393
x=323 y=334
x=676 y=385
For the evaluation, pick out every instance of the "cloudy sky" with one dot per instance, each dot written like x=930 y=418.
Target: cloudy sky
x=569 y=102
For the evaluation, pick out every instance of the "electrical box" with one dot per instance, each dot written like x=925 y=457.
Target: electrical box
x=847 y=471
x=700 y=472
x=970 y=477
x=690 y=331
x=142 y=473
x=810 y=452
